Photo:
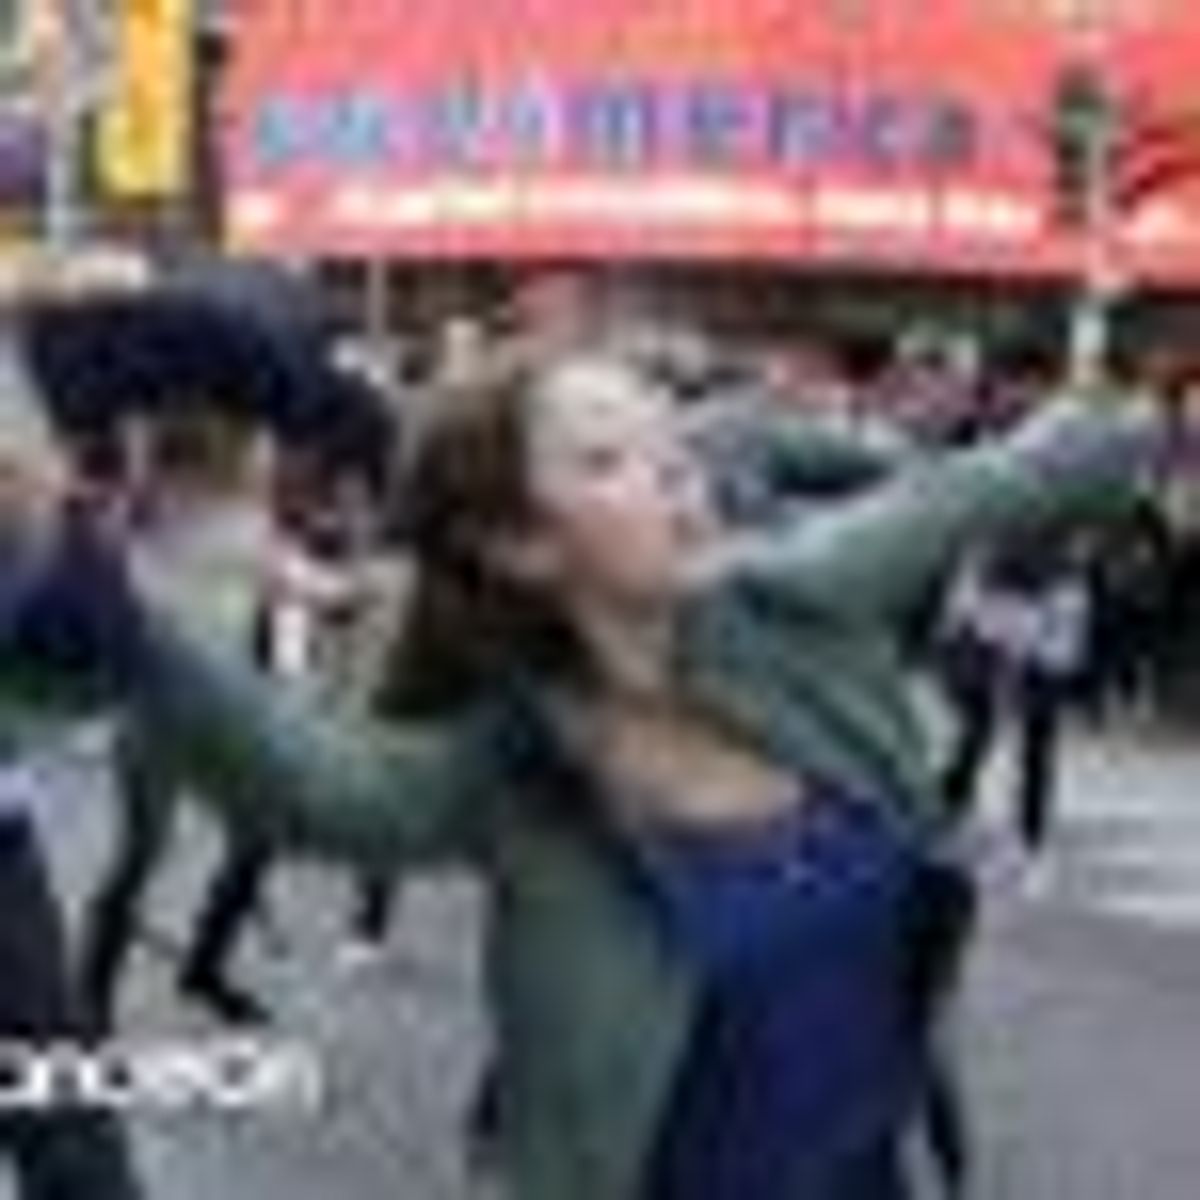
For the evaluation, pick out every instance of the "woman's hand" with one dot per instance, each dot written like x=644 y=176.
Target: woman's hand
x=1070 y=436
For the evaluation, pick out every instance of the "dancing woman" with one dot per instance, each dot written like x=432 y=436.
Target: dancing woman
x=686 y=763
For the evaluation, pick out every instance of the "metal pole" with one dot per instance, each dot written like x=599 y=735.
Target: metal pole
x=77 y=57
x=378 y=304
x=62 y=210
x=1092 y=313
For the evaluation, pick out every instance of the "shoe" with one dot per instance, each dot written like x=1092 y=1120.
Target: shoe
x=1000 y=867
x=358 y=954
x=229 y=1003
x=481 y=1129
x=1037 y=880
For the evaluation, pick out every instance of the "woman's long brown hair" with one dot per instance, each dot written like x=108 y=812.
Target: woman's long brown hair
x=463 y=488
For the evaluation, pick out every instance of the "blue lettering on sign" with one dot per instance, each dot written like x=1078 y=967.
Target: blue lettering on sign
x=527 y=124
x=802 y=129
x=715 y=121
x=452 y=127
x=618 y=124
x=953 y=138
x=280 y=133
x=886 y=133
x=355 y=130
x=614 y=124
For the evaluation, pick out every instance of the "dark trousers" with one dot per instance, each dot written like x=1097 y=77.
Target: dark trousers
x=148 y=797
x=375 y=900
x=1037 y=701
x=944 y=1119
x=145 y=812
x=233 y=897
x=69 y=1153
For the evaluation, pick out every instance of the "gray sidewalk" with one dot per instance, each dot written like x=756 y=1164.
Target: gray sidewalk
x=1081 y=1031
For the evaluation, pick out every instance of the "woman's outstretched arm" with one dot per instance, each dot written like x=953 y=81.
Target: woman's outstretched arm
x=874 y=555
x=275 y=763
x=793 y=455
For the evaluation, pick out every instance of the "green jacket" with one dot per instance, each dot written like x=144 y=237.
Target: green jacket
x=37 y=707
x=791 y=647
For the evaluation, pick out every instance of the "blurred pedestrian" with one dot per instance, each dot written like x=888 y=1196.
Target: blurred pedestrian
x=1016 y=638
x=205 y=508
x=60 y=1152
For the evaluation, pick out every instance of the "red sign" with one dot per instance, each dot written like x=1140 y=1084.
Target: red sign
x=901 y=133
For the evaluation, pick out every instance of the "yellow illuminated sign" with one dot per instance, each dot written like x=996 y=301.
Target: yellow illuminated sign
x=144 y=131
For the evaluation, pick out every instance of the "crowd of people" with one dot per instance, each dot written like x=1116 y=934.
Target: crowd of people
x=632 y=635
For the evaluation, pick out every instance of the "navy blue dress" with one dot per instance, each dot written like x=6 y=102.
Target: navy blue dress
x=806 y=1061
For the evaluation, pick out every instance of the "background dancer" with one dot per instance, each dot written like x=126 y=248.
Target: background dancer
x=65 y=1153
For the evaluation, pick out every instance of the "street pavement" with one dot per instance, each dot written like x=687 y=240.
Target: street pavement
x=1082 y=1034
x=1081 y=1030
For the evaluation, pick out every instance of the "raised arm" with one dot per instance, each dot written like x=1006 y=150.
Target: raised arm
x=875 y=555
x=802 y=455
x=70 y=624
x=273 y=763
x=785 y=456
x=270 y=760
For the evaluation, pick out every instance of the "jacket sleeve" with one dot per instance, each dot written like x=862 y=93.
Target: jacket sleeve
x=276 y=766
x=800 y=455
x=876 y=555
x=791 y=455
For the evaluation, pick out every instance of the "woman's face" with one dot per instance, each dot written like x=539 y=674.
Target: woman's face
x=622 y=502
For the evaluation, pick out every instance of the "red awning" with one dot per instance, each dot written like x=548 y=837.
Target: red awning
x=693 y=129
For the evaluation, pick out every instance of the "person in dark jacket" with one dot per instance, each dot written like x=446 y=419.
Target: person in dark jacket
x=66 y=1152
